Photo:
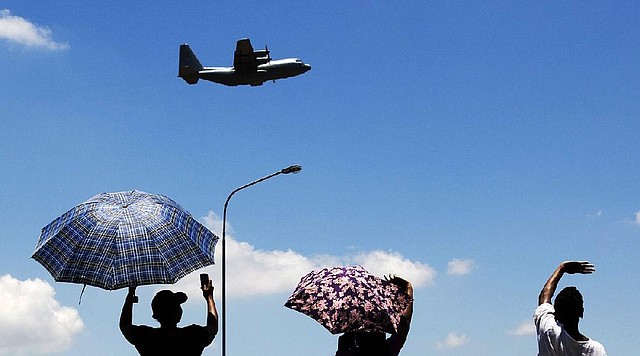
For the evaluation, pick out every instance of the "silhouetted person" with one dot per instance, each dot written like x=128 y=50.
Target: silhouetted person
x=169 y=339
x=364 y=343
x=557 y=324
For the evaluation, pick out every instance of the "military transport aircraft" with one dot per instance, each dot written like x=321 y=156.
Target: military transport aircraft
x=249 y=67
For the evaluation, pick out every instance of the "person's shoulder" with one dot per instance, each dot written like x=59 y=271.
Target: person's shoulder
x=597 y=348
x=141 y=327
x=545 y=320
x=194 y=327
x=195 y=330
x=542 y=309
x=196 y=334
x=545 y=306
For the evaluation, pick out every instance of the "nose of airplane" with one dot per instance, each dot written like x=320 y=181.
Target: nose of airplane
x=307 y=67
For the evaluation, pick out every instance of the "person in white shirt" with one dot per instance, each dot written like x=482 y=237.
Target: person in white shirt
x=557 y=324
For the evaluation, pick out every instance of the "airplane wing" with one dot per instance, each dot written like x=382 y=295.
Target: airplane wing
x=246 y=58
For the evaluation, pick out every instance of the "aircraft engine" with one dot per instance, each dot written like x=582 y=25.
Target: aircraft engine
x=262 y=55
x=262 y=60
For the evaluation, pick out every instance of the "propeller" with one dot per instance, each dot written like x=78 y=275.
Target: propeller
x=266 y=49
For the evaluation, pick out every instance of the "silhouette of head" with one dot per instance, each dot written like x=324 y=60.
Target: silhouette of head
x=166 y=306
x=569 y=305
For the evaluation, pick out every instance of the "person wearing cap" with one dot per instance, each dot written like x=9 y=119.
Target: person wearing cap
x=169 y=339
x=557 y=324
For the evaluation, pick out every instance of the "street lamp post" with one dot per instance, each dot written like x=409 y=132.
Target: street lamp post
x=291 y=169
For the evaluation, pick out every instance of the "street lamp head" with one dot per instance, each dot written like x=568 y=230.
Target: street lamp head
x=292 y=169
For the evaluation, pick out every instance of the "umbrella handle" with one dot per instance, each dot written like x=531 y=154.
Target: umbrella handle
x=132 y=298
x=132 y=295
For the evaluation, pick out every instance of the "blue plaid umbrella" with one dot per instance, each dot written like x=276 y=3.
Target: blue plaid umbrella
x=123 y=239
x=344 y=299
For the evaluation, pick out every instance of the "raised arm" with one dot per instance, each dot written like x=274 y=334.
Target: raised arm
x=396 y=341
x=408 y=312
x=569 y=267
x=212 y=312
x=126 y=317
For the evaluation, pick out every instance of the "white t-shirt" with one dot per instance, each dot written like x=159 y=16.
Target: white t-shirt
x=554 y=341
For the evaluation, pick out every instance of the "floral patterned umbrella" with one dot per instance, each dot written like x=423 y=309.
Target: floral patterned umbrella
x=344 y=299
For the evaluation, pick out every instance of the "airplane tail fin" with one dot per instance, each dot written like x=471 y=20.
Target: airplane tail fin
x=189 y=65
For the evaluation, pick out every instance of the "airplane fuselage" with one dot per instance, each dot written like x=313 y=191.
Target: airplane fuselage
x=275 y=69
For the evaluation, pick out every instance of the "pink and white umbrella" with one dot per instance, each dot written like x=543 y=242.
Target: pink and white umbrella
x=344 y=299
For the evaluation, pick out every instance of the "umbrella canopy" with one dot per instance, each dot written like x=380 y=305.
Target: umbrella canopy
x=344 y=299
x=123 y=239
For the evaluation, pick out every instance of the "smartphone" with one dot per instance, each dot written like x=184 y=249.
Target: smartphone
x=204 y=279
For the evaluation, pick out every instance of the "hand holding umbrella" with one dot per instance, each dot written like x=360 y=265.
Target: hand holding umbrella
x=132 y=295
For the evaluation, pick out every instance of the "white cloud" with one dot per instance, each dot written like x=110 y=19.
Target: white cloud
x=380 y=263
x=637 y=219
x=459 y=266
x=20 y=30
x=453 y=340
x=254 y=272
x=32 y=321
x=525 y=328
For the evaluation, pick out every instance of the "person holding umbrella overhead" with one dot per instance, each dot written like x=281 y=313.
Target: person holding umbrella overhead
x=132 y=238
x=359 y=305
x=375 y=343
x=169 y=339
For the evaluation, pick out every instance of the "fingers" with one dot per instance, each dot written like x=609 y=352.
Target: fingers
x=587 y=267
x=207 y=288
x=583 y=267
x=131 y=296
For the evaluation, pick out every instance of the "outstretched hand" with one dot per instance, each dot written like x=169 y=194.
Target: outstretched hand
x=582 y=267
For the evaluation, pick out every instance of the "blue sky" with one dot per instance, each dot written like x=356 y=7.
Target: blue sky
x=468 y=146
